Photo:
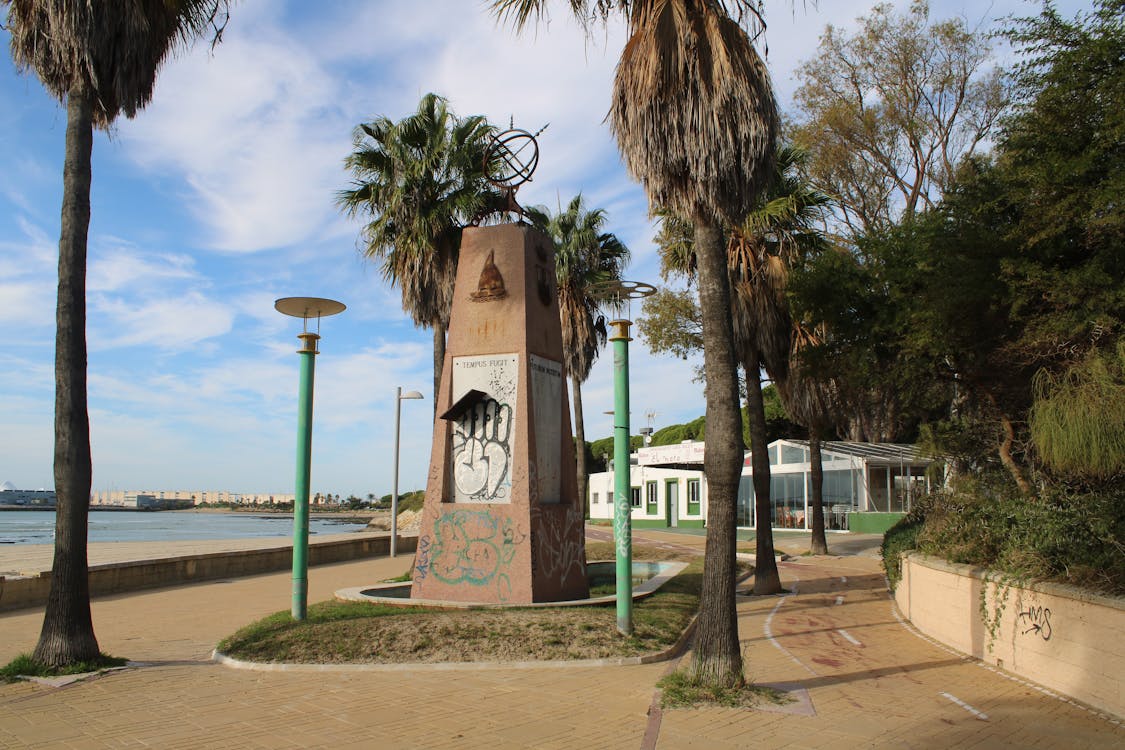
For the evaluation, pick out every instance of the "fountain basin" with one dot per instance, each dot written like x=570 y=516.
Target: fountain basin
x=648 y=577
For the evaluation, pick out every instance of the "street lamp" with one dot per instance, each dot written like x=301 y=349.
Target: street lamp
x=399 y=396
x=304 y=308
x=622 y=292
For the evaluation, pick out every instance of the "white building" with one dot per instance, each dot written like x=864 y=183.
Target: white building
x=866 y=486
x=9 y=495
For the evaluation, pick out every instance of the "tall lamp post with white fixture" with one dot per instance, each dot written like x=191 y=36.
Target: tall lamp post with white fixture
x=399 y=396
x=622 y=293
x=304 y=308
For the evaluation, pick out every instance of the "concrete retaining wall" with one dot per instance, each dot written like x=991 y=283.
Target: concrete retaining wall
x=1064 y=638
x=116 y=578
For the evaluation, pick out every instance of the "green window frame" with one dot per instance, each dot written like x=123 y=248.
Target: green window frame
x=693 y=494
x=652 y=495
x=635 y=498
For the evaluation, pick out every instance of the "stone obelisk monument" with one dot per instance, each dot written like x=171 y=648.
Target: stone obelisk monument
x=502 y=521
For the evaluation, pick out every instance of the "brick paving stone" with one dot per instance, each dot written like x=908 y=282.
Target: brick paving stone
x=885 y=693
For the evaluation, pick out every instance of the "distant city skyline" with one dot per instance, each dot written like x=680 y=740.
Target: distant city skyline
x=219 y=198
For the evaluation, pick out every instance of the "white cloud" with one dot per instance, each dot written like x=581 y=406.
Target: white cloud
x=167 y=324
x=256 y=133
x=35 y=253
x=122 y=267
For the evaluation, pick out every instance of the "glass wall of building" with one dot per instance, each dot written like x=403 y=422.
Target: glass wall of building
x=787 y=493
x=907 y=484
x=838 y=496
x=744 y=510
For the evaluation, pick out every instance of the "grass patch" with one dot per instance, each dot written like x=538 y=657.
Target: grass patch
x=361 y=632
x=25 y=666
x=678 y=690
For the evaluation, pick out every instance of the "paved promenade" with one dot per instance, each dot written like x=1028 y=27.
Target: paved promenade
x=864 y=679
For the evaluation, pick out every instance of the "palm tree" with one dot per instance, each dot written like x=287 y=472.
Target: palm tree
x=421 y=180
x=102 y=60
x=695 y=119
x=811 y=398
x=778 y=233
x=585 y=256
x=760 y=252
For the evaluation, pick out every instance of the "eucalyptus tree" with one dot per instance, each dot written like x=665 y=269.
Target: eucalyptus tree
x=695 y=119
x=586 y=257
x=890 y=109
x=102 y=60
x=421 y=180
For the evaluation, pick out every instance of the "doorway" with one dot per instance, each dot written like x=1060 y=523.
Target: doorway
x=672 y=502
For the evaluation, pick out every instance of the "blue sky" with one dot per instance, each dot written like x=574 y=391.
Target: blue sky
x=219 y=198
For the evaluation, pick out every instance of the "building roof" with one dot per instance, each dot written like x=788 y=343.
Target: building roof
x=892 y=452
x=689 y=454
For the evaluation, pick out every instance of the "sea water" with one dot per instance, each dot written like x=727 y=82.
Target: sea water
x=38 y=526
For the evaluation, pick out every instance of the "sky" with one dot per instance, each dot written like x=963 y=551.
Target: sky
x=219 y=198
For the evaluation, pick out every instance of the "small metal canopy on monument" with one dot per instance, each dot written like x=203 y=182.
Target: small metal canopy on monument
x=502 y=522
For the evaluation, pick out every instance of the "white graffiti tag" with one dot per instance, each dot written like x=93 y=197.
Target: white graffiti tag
x=482 y=452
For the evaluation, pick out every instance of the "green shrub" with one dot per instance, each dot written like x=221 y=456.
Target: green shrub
x=1063 y=535
x=901 y=538
x=1077 y=422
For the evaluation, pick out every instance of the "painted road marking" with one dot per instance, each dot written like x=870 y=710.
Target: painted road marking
x=979 y=714
x=839 y=600
x=768 y=630
x=848 y=635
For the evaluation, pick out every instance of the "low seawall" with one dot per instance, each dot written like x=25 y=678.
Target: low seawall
x=119 y=577
x=1058 y=636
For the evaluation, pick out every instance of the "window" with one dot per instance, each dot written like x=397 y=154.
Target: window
x=650 y=499
x=636 y=496
x=594 y=500
x=791 y=454
x=693 y=497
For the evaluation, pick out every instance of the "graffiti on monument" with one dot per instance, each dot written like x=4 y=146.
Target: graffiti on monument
x=547 y=406
x=556 y=553
x=482 y=433
x=470 y=547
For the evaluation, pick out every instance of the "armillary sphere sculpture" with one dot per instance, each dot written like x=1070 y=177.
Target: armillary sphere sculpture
x=509 y=162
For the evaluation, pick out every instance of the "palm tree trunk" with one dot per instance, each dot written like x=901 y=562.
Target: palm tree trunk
x=580 y=447
x=766 y=578
x=67 y=635
x=717 y=658
x=818 y=545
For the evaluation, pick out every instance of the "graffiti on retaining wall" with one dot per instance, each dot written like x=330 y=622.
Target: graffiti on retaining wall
x=470 y=547
x=1036 y=620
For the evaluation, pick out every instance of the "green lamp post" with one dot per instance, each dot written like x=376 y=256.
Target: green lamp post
x=623 y=292
x=304 y=308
